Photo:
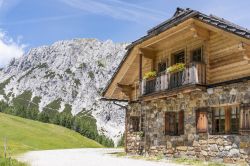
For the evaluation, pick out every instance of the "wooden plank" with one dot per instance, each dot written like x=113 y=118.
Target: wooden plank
x=230 y=77
x=224 y=61
x=228 y=67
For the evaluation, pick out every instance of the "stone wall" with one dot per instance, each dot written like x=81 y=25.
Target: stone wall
x=227 y=148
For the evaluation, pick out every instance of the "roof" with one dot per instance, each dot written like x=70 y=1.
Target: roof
x=180 y=16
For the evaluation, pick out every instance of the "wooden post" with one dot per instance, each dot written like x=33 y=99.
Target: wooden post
x=140 y=74
x=140 y=66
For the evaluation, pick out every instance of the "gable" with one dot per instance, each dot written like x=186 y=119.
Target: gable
x=127 y=72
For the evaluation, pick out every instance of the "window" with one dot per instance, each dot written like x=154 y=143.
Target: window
x=201 y=121
x=174 y=123
x=226 y=120
x=219 y=120
x=179 y=57
x=235 y=112
x=196 y=55
x=135 y=123
x=162 y=67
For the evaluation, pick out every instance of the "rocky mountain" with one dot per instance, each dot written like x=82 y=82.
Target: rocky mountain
x=74 y=72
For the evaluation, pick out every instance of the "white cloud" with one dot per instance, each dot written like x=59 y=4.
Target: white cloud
x=9 y=49
x=39 y=20
x=1 y=3
x=117 y=9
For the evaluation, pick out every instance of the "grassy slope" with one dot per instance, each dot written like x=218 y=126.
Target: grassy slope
x=26 y=135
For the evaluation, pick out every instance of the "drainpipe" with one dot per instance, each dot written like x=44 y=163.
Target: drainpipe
x=126 y=122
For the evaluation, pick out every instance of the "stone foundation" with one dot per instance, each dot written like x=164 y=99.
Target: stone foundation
x=226 y=148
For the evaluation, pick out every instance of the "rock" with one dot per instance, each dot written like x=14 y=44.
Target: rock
x=220 y=141
x=234 y=153
x=191 y=153
x=202 y=142
x=214 y=148
x=212 y=154
x=169 y=144
x=222 y=154
x=204 y=153
x=227 y=148
x=228 y=160
x=182 y=148
x=196 y=143
x=244 y=145
x=211 y=141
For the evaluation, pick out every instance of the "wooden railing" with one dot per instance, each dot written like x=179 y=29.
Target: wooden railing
x=195 y=73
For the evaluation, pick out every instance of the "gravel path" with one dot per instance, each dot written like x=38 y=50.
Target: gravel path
x=83 y=157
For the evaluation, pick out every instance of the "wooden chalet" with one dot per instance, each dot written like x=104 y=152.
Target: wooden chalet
x=188 y=89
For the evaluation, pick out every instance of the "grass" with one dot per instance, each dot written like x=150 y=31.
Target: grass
x=139 y=157
x=11 y=162
x=181 y=161
x=26 y=135
x=196 y=162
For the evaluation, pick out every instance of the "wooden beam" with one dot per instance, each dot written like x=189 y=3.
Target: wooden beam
x=171 y=32
x=148 y=53
x=200 y=32
x=221 y=31
x=172 y=92
x=140 y=66
x=126 y=89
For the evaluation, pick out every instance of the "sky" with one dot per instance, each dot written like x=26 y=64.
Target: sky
x=25 y=24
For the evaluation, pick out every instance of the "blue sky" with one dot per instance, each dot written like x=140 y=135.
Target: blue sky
x=30 y=23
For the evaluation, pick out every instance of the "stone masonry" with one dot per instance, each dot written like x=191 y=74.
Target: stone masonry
x=151 y=140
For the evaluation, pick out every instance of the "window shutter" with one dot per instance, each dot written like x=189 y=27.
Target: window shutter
x=181 y=122
x=135 y=122
x=227 y=119
x=167 y=123
x=245 y=118
x=202 y=121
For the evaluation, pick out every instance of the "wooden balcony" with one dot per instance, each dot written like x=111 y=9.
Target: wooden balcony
x=194 y=74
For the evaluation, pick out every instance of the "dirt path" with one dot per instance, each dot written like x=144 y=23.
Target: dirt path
x=82 y=157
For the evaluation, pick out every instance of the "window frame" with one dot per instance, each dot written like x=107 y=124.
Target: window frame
x=177 y=123
x=192 y=55
x=135 y=123
x=245 y=123
x=160 y=67
x=173 y=57
x=227 y=120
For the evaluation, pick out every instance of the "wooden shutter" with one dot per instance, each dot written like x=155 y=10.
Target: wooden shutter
x=135 y=121
x=181 y=122
x=167 y=123
x=245 y=117
x=227 y=119
x=202 y=121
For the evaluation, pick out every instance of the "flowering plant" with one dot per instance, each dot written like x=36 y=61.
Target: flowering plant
x=150 y=74
x=176 y=68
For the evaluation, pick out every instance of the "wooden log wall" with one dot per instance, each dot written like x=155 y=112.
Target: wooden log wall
x=226 y=60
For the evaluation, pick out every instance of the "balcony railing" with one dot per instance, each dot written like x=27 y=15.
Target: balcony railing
x=195 y=73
